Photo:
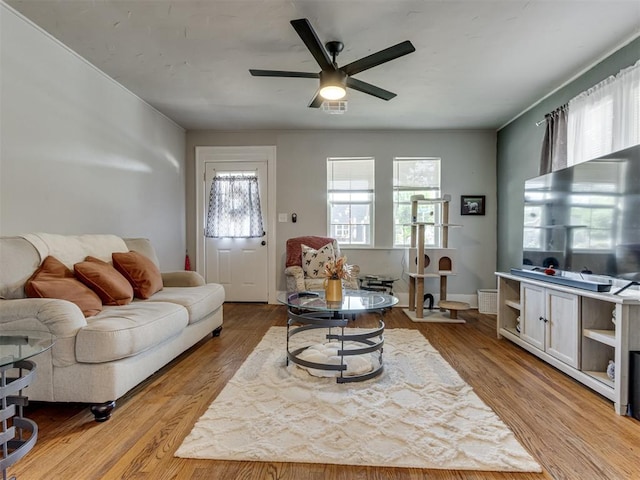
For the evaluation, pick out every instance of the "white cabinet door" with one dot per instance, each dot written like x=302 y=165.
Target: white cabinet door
x=563 y=326
x=532 y=315
x=550 y=321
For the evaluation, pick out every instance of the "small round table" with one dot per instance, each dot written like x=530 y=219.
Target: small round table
x=377 y=283
x=16 y=373
x=310 y=311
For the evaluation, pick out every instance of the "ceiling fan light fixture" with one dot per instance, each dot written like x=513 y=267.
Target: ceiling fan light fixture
x=333 y=92
x=333 y=85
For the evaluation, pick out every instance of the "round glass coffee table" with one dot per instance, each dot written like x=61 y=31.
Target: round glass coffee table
x=16 y=373
x=308 y=311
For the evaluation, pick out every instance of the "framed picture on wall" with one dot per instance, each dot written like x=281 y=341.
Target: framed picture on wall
x=472 y=204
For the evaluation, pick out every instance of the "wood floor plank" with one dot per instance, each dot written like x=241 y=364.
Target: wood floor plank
x=571 y=431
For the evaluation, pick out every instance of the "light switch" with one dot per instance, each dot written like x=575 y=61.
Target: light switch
x=282 y=217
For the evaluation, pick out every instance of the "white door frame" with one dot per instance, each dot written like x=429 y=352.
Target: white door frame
x=239 y=154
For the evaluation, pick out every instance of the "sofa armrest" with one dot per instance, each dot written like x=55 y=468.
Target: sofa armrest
x=182 y=278
x=295 y=278
x=60 y=318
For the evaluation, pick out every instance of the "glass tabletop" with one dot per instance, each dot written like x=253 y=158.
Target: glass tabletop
x=352 y=301
x=20 y=345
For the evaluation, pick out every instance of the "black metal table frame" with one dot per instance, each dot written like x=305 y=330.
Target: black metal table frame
x=313 y=320
x=377 y=283
x=12 y=439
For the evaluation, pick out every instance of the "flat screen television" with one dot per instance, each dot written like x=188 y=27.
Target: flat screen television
x=586 y=218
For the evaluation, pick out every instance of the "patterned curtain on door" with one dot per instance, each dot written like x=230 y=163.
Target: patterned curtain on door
x=234 y=208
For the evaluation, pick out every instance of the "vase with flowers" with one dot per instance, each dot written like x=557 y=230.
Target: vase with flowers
x=335 y=271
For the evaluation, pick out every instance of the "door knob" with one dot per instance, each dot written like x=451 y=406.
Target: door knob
x=263 y=243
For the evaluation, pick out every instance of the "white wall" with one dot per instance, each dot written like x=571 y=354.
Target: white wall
x=468 y=167
x=79 y=153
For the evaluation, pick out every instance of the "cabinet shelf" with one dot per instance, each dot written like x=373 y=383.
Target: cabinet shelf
x=601 y=377
x=513 y=304
x=608 y=337
x=512 y=331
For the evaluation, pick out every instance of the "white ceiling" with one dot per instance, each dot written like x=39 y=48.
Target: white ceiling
x=477 y=64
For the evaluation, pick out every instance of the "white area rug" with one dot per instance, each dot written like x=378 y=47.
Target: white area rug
x=418 y=413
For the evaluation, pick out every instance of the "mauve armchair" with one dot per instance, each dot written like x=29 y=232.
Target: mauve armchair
x=297 y=281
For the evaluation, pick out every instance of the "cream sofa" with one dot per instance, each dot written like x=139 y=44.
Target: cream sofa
x=98 y=359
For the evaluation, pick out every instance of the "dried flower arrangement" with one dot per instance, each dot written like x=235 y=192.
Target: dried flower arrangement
x=338 y=269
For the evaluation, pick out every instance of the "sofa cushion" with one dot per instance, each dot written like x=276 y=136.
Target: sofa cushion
x=54 y=280
x=105 y=280
x=127 y=330
x=143 y=275
x=71 y=249
x=199 y=301
x=313 y=261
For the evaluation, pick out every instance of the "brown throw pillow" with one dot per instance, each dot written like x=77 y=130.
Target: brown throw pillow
x=143 y=275
x=54 y=280
x=106 y=281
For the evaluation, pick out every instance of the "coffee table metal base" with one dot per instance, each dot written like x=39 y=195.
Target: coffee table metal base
x=13 y=441
x=304 y=321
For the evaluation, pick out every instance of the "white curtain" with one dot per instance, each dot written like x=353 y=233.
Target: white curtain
x=605 y=118
x=234 y=208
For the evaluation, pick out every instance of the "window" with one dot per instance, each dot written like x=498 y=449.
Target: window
x=350 y=195
x=415 y=176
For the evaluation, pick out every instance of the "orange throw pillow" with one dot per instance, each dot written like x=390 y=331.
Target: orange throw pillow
x=106 y=281
x=54 y=280
x=143 y=275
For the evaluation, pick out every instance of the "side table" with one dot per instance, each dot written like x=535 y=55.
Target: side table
x=377 y=283
x=18 y=434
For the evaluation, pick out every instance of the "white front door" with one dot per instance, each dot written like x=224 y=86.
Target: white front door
x=239 y=264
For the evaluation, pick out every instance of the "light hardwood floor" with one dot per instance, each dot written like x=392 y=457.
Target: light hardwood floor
x=571 y=431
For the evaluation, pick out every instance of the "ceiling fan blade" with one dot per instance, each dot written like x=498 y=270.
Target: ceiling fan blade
x=370 y=89
x=378 y=58
x=281 y=73
x=311 y=40
x=317 y=101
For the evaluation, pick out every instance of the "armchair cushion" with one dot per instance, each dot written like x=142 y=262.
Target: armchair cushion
x=313 y=261
x=294 y=247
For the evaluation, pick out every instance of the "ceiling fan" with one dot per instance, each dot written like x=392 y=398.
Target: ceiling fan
x=334 y=79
